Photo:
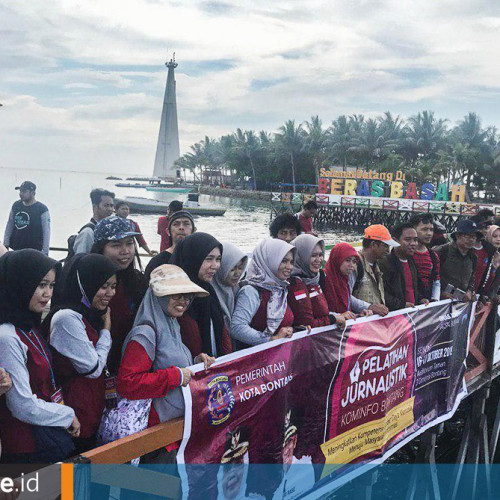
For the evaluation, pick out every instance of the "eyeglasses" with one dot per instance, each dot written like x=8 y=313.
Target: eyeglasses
x=187 y=297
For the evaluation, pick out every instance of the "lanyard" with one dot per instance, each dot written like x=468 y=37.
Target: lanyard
x=42 y=352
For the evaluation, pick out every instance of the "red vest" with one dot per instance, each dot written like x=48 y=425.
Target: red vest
x=122 y=321
x=259 y=321
x=17 y=436
x=308 y=304
x=84 y=395
x=191 y=337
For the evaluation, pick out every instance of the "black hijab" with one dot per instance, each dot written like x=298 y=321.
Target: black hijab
x=189 y=255
x=20 y=274
x=81 y=278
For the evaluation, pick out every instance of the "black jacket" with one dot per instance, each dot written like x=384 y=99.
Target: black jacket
x=394 y=281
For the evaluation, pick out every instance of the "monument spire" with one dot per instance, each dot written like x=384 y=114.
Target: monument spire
x=167 y=149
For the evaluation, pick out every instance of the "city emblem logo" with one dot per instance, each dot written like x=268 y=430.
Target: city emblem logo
x=220 y=399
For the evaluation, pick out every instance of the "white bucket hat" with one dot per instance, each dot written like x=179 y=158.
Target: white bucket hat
x=172 y=280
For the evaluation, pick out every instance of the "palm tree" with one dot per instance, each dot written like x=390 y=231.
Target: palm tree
x=247 y=146
x=290 y=143
x=315 y=140
x=424 y=136
x=339 y=139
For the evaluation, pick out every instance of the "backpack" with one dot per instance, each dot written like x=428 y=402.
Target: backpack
x=72 y=238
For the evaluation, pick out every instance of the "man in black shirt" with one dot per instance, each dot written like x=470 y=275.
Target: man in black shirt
x=29 y=222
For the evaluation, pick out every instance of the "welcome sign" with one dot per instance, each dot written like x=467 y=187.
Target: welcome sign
x=323 y=402
x=359 y=182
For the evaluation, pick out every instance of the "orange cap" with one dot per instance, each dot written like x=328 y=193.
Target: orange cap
x=380 y=233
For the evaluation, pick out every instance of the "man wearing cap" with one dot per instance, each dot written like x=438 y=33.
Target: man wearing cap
x=181 y=224
x=298 y=476
x=369 y=284
x=458 y=259
x=29 y=222
x=163 y=223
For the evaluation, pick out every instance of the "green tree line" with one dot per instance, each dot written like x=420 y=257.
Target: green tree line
x=426 y=148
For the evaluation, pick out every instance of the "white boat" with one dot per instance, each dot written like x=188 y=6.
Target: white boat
x=139 y=204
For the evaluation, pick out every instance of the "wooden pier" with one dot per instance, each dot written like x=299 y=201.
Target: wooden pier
x=357 y=212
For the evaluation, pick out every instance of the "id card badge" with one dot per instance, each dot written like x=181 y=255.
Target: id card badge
x=57 y=397
x=110 y=394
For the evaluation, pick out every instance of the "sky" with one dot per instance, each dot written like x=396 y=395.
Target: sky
x=82 y=82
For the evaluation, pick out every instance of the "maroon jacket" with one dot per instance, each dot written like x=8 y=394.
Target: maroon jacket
x=308 y=304
x=84 y=395
x=17 y=436
x=191 y=337
x=259 y=321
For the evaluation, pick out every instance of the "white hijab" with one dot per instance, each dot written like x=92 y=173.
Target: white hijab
x=226 y=294
x=261 y=273
x=305 y=244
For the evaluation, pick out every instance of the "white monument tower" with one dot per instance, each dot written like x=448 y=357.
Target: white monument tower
x=167 y=149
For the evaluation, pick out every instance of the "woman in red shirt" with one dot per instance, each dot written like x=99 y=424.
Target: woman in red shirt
x=155 y=358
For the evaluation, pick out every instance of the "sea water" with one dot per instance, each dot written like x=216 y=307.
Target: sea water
x=66 y=194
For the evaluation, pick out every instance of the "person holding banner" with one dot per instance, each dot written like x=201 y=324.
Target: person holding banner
x=202 y=328
x=154 y=357
x=233 y=264
x=339 y=282
x=262 y=312
x=305 y=295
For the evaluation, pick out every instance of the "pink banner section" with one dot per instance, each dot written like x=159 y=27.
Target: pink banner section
x=327 y=398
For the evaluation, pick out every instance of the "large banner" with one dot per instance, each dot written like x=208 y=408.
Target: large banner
x=330 y=398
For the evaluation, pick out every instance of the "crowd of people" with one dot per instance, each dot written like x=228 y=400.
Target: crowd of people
x=116 y=333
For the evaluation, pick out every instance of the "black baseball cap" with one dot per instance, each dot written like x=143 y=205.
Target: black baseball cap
x=467 y=226
x=27 y=186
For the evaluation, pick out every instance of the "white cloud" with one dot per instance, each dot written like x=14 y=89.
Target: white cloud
x=82 y=76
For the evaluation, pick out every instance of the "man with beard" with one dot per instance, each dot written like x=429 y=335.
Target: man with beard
x=298 y=477
x=234 y=465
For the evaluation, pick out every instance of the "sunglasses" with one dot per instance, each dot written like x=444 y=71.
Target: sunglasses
x=183 y=296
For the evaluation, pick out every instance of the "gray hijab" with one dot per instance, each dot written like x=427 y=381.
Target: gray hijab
x=226 y=294
x=160 y=336
x=305 y=244
x=261 y=273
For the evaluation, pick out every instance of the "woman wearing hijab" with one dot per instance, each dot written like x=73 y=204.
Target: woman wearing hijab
x=79 y=335
x=154 y=357
x=34 y=426
x=114 y=238
x=227 y=277
x=490 y=282
x=305 y=295
x=262 y=312
x=339 y=282
x=202 y=327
